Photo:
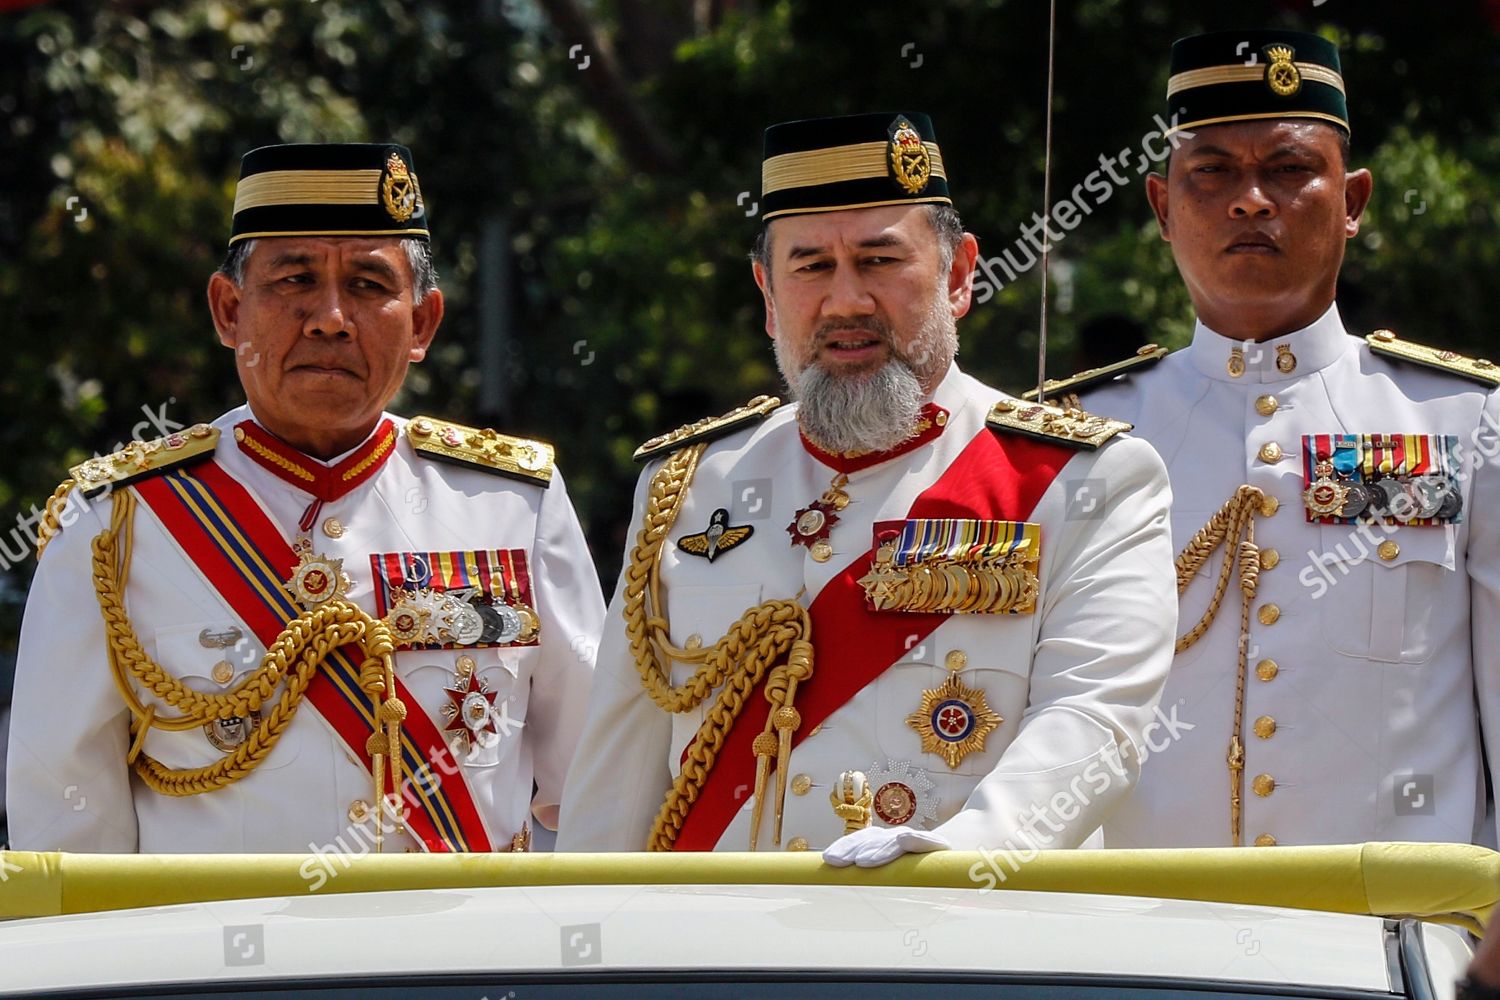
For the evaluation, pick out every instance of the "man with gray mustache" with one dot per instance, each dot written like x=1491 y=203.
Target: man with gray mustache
x=905 y=613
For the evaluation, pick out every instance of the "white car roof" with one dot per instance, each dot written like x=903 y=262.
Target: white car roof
x=590 y=928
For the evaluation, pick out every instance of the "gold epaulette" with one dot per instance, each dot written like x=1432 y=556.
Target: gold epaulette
x=1143 y=358
x=140 y=459
x=1072 y=427
x=1386 y=343
x=708 y=428
x=483 y=449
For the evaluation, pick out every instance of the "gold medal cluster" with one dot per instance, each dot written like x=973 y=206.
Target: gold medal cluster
x=1006 y=585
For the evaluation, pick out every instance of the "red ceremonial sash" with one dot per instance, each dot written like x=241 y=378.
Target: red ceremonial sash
x=237 y=548
x=993 y=478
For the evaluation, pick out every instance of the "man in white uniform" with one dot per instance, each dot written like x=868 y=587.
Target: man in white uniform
x=906 y=613
x=1339 y=690
x=310 y=625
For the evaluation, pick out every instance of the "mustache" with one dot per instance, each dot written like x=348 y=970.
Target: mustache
x=874 y=327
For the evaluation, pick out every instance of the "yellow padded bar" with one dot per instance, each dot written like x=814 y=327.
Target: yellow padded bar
x=1451 y=883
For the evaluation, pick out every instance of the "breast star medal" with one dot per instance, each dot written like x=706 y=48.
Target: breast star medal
x=953 y=720
x=719 y=537
x=317 y=578
x=1325 y=495
x=812 y=524
x=471 y=711
x=903 y=794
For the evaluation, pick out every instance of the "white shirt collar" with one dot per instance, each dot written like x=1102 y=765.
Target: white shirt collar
x=1292 y=356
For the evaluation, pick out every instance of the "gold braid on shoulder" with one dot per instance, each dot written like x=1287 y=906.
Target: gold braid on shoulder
x=51 y=522
x=291 y=663
x=1233 y=526
x=771 y=638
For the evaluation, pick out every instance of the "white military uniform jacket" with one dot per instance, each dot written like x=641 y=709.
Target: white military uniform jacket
x=69 y=787
x=1076 y=682
x=1372 y=650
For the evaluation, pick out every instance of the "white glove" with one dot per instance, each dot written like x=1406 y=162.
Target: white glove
x=878 y=845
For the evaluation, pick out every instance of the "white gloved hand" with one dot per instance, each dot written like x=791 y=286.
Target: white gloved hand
x=878 y=845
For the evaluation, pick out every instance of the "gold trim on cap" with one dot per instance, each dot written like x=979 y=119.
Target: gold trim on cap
x=931 y=200
x=308 y=187
x=1203 y=122
x=422 y=231
x=1210 y=76
x=856 y=162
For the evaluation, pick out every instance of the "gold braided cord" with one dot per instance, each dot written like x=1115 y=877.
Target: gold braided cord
x=51 y=522
x=293 y=658
x=1233 y=525
x=1230 y=521
x=771 y=633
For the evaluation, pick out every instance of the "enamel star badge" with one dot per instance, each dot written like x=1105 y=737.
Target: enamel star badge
x=903 y=794
x=317 y=578
x=471 y=711
x=719 y=537
x=954 y=720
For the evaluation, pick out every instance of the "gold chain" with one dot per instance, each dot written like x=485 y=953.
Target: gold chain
x=1233 y=526
x=772 y=633
x=294 y=658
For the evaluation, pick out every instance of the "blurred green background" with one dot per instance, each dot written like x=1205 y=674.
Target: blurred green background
x=591 y=221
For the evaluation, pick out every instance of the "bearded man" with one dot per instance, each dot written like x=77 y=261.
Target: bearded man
x=906 y=612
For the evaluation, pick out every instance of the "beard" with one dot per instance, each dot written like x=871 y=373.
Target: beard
x=876 y=410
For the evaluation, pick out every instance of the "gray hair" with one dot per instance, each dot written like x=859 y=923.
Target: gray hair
x=945 y=223
x=418 y=255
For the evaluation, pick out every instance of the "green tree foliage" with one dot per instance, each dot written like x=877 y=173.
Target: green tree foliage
x=624 y=189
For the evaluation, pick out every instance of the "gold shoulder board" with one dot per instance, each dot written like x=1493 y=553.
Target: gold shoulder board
x=483 y=449
x=1386 y=343
x=709 y=428
x=140 y=459
x=1071 y=427
x=1143 y=358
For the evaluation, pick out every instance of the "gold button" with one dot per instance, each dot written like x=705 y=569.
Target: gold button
x=359 y=811
x=1270 y=452
x=1265 y=840
x=1266 y=405
x=797 y=844
x=1265 y=727
x=223 y=672
x=421 y=427
x=1268 y=614
x=1269 y=558
x=941 y=419
x=694 y=641
x=239 y=433
x=801 y=784
x=1267 y=670
x=1388 y=550
x=1269 y=506
x=333 y=528
x=822 y=551
x=465 y=665
x=1263 y=785
x=956 y=660
x=1384 y=336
